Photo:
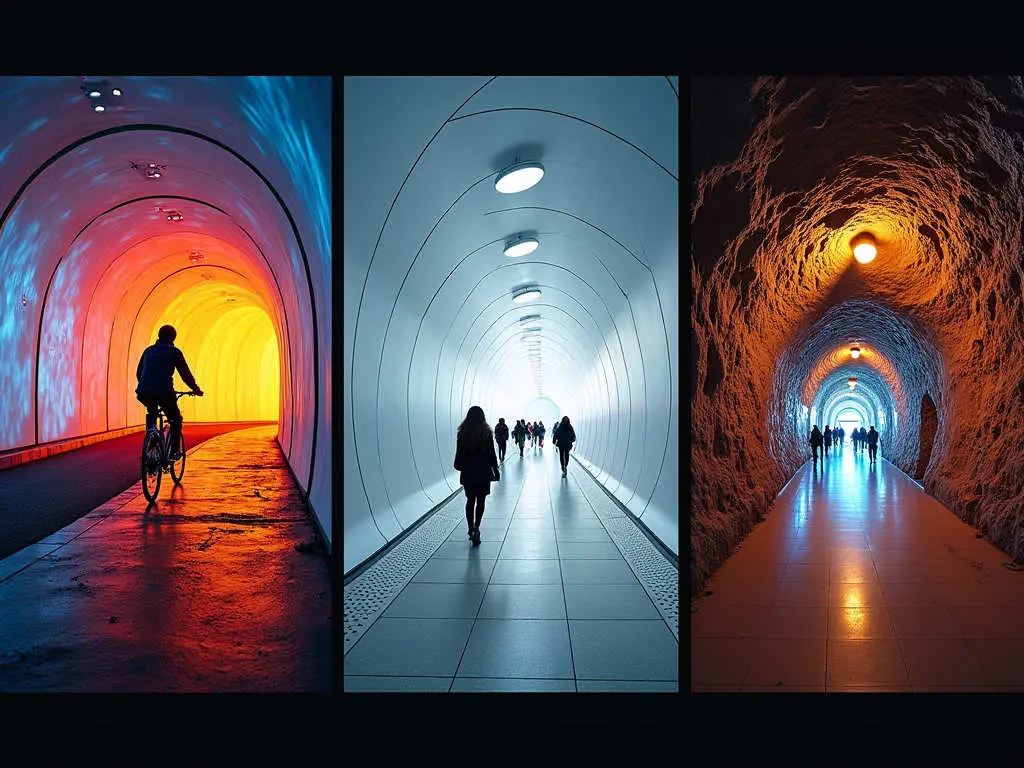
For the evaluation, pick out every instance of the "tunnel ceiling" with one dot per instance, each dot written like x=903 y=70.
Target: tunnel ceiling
x=931 y=167
x=429 y=301
x=206 y=194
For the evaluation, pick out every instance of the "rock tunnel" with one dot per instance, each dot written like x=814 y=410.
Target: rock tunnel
x=789 y=175
x=202 y=202
x=433 y=319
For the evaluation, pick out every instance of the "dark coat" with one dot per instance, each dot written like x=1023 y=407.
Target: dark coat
x=815 y=436
x=155 y=372
x=501 y=432
x=565 y=438
x=477 y=469
x=873 y=437
x=519 y=433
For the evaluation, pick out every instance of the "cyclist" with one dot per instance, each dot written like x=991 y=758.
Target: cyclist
x=155 y=390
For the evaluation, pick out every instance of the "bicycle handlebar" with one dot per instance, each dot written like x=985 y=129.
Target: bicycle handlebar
x=181 y=394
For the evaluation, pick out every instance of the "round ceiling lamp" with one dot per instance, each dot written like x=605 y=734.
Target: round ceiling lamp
x=522 y=295
x=852 y=381
x=520 y=246
x=864 y=249
x=855 y=352
x=518 y=177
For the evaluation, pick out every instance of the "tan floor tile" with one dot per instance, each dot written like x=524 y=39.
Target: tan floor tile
x=794 y=623
x=727 y=621
x=933 y=622
x=854 y=595
x=719 y=662
x=1002 y=661
x=790 y=662
x=941 y=662
x=865 y=662
x=749 y=593
x=989 y=622
x=814 y=573
x=801 y=594
x=852 y=573
x=860 y=623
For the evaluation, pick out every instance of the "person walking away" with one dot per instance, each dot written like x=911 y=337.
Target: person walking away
x=554 y=431
x=873 y=445
x=827 y=439
x=519 y=435
x=564 y=437
x=863 y=439
x=529 y=433
x=155 y=388
x=815 y=441
x=842 y=433
x=477 y=464
x=501 y=437
x=541 y=429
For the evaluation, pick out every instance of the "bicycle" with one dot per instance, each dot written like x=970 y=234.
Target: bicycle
x=156 y=454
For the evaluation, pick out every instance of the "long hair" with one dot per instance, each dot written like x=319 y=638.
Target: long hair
x=474 y=433
x=564 y=422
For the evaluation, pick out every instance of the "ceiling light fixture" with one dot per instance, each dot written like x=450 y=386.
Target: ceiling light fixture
x=116 y=91
x=528 y=293
x=520 y=246
x=863 y=246
x=98 y=108
x=852 y=381
x=854 y=352
x=174 y=215
x=94 y=94
x=518 y=177
x=528 y=318
x=195 y=256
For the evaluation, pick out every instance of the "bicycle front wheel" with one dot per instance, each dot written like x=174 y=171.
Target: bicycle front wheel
x=178 y=467
x=151 y=465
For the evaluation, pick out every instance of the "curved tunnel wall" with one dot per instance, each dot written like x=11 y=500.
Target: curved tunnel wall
x=230 y=243
x=932 y=168
x=430 y=325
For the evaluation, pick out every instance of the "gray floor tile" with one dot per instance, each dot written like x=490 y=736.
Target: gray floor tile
x=588 y=550
x=582 y=535
x=518 y=571
x=609 y=601
x=512 y=684
x=523 y=601
x=518 y=648
x=597 y=572
x=539 y=548
x=356 y=683
x=385 y=648
x=436 y=601
x=624 y=650
x=451 y=571
x=575 y=523
x=626 y=686
x=464 y=550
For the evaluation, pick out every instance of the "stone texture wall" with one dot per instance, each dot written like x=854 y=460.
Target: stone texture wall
x=786 y=172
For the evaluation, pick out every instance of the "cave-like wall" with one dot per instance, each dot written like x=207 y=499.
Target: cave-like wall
x=932 y=168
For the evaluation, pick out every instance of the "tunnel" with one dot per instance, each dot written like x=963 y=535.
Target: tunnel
x=856 y=259
x=203 y=202
x=555 y=300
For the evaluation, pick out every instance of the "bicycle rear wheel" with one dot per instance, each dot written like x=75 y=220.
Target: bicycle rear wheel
x=178 y=467
x=151 y=468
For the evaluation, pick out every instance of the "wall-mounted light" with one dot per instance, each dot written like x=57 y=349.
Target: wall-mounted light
x=863 y=246
x=520 y=246
x=529 y=293
x=518 y=177
x=172 y=215
x=195 y=256
x=852 y=381
x=854 y=352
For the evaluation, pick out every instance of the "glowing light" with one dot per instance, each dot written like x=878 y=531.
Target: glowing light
x=518 y=177
x=98 y=108
x=854 y=352
x=528 y=318
x=852 y=381
x=116 y=91
x=864 y=247
x=525 y=294
x=94 y=94
x=521 y=246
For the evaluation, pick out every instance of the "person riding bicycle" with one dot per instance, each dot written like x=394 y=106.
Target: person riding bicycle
x=155 y=389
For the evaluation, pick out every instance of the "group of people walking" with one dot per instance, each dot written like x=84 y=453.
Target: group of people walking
x=821 y=442
x=477 y=461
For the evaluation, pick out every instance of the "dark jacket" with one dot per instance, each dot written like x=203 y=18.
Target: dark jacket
x=477 y=468
x=156 y=369
x=565 y=438
x=519 y=432
x=501 y=432
x=828 y=436
x=540 y=429
x=815 y=436
x=873 y=437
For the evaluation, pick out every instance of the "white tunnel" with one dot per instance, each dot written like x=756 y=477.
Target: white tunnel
x=203 y=202
x=430 y=324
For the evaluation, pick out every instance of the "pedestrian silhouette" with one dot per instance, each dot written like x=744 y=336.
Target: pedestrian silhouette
x=564 y=437
x=478 y=466
x=519 y=435
x=873 y=444
x=827 y=438
x=501 y=437
x=815 y=440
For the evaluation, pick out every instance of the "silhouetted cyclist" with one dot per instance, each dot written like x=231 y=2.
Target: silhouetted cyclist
x=155 y=374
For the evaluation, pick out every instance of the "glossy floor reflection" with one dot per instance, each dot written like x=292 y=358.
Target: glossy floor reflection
x=546 y=602
x=859 y=581
x=203 y=591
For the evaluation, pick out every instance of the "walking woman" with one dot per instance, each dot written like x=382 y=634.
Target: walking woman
x=501 y=437
x=478 y=464
x=519 y=435
x=564 y=439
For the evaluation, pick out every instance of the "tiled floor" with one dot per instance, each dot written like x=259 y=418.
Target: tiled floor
x=859 y=581
x=545 y=603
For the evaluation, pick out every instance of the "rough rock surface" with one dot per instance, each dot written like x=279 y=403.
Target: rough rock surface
x=932 y=167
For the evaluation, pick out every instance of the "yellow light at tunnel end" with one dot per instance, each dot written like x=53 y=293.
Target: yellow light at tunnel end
x=864 y=249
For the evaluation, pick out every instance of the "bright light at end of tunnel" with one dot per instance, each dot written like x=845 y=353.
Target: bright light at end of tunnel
x=864 y=249
x=518 y=177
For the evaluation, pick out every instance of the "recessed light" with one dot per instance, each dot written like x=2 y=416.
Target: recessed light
x=521 y=246
x=528 y=318
x=525 y=294
x=98 y=108
x=116 y=91
x=195 y=256
x=94 y=94
x=518 y=177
